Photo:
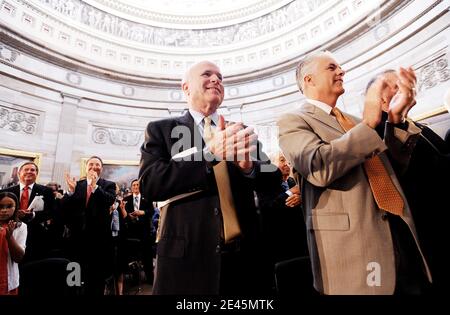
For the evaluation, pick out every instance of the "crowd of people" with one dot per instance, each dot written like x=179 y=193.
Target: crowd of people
x=360 y=200
x=92 y=224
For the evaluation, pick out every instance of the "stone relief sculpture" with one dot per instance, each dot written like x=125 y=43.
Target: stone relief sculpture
x=433 y=73
x=8 y=54
x=105 y=22
x=122 y=137
x=18 y=121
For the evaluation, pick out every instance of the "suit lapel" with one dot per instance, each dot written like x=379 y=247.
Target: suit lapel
x=100 y=182
x=323 y=117
x=291 y=182
x=142 y=203
x=34 y=192
x=16 y=191
x=196 y=138
x=83 y=189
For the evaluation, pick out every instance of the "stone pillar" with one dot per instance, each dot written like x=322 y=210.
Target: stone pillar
x=64 y=144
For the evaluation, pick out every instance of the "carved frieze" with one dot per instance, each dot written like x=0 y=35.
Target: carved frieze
x=8 y=54
x=117 y=136
x=18 y=121
x=160 y=36
x=433 y=73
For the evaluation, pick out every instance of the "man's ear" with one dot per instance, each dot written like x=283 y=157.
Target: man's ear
x=185 y=88
x=307 y=79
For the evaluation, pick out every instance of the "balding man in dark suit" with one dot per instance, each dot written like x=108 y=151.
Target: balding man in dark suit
x=86 y=211
x=195 y=254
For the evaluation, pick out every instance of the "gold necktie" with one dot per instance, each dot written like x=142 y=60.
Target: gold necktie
x=384 y=191
x=231 y=228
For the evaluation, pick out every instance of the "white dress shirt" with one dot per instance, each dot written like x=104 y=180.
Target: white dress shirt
x=323 y=106
x=198 y=119
x=22 y=186
x=137 y=204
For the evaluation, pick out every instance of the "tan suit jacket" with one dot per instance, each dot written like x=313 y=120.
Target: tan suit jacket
x=347 y=233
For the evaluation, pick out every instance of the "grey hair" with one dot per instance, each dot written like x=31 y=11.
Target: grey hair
x=304 y=66
x=187 y=73
x=374 y=78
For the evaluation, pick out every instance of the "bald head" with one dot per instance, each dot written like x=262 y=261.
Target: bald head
x=280 y=161
x=203 y=88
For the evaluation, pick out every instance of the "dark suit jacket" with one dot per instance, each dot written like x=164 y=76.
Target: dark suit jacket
x=37 y=239
x=425 y=184
x=90 y=226
x=284 y=227
x=189 y=251
x=141 y=227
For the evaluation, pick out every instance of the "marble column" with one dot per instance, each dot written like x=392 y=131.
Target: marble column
x=64 y=145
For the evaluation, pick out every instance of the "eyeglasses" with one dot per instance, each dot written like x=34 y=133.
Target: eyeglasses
x=10 y=206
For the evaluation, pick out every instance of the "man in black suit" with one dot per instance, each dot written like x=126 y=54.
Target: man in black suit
x=139 y=226
x=86 y=206
x=283 y=226
x=194 y=253
x=424 y=183
x=38 y=243
x=282 y=216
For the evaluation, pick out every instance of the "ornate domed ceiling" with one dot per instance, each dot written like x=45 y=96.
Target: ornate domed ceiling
x=189 y=14
x=81 y=78
x=161 y=39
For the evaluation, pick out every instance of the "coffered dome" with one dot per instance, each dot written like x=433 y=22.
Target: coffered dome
x=160 y=39
x=189 y=14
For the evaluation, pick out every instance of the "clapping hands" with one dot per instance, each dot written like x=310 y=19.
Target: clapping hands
x=71 y=182
x=234 y=142
x=404 y=99
x=12 y=225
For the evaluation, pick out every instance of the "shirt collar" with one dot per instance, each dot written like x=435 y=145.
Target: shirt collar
x=138 y=195
x=198 y=117
x=29 y=186
x=323 y=106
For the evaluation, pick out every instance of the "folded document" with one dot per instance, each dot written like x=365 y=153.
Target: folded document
x=185 y=153
x=37 y=204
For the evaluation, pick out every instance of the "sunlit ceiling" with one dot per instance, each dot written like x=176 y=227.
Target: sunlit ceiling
x=191 y=7
x=161 y=39
x=190 y=14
